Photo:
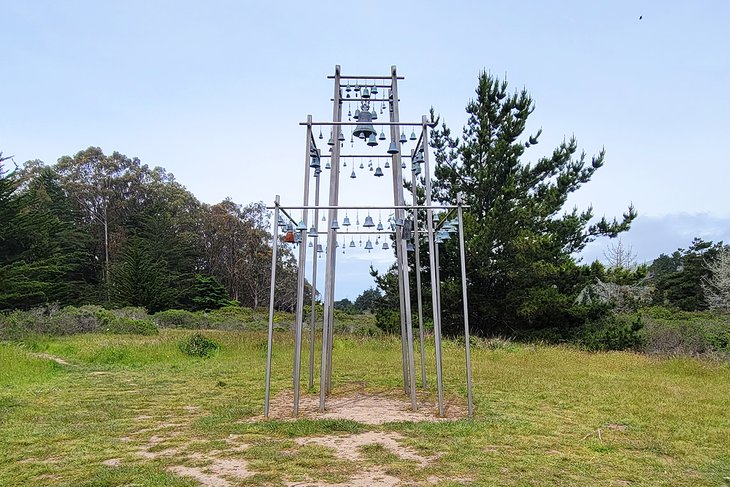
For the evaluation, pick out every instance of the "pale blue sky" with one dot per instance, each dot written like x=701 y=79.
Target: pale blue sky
x=214 y=91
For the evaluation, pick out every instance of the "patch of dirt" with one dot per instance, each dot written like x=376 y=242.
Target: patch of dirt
x=616 y=427
x=197 y=473
x=366 y=408
x=112 y=462
x=349 y=446
x=376 y=477
x=58 y=360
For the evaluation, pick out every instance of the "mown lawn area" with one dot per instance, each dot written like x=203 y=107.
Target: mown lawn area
x=135 y=410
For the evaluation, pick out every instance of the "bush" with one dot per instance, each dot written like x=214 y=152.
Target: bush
x=618 y=332
x=198 y=345
x=131 y=326
x=676 y=332
x=179 y=318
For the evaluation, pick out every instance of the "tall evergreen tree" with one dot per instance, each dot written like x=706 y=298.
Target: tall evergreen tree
x=520 y=240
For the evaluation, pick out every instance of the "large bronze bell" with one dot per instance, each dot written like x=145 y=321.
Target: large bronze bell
x=364 y=125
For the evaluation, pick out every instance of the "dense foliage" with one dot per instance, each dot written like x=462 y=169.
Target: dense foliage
x=109 y=230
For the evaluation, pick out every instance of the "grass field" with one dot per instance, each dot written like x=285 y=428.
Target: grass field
x=132 y=410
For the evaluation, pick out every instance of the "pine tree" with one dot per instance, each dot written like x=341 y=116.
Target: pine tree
x=520 y=247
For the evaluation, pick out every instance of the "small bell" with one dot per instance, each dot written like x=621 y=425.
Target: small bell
x=403 y=138
x=335 y=225
x=310 y=244
x=385 y=246
x=312 y=231
x=417 y=169
x=413 y=135
x=297 y=238
x=315 y=161
x=378 y=172
x=374 y=90
x=372 y=140
x=374 y=113
x=393 y=149
x=289 y=238
x=352 y=243
x=362 y=166
x=330 y=142
x=349 y=112
x=369 y=245
x=320 y=133
x=353 y=175
x=387 y=164
x=382 y=135
x=341 y=138
x=302 y=226
x=348 y=88
x=380 y=226
x=346 y=221
x=328 y=165
x=410 y=247
x=357 y=113
x=371 y=168
x=319 y=248
x=357 y=86
x=365 y=93
x=324 y=219
x=368 y=222
x=403 y=164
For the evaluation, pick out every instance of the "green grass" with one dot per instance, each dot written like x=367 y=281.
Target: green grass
x=539 y=411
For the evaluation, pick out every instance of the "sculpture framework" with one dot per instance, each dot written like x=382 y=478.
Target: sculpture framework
x=406 y=227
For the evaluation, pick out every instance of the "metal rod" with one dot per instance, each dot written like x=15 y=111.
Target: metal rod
x=313 y=311
x=466 y=311
x=331 y=251
x=370 y=156
x=362 y=77
x=432 y=254
x=270 y=341
x=417 y=252
x=299 y=322
x=339 y=207
x=353 y=124
x=397 y=200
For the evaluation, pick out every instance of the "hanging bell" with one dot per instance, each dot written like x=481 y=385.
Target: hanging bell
x=297 y=237
x=315 y=160
x=361 y=165
x=357 y=113
x=365 y=93
x=290 y=227
x=413 y=135
x=443 y=235
x=378 y=172
x=352 y=243
x=403 y=138
x=281 y=221
x=385 y=246
x=319 y=248
x=374 y=90
x=374 y=113
x=344 y=163
x=349 y=112
x=371 y=168
x=310 y=244
x=352 y=141
x=393 y=149
x=353 y=175
x=369 y=245
x=289 y=238
x=417 y=169
x=341 y=138
x=330 y=142
x=380 y=226
x=357 y=86
x=348 y=88
x=368 y=222
x=410 y=247
x=399 y=222
x=382 y=135
x=372 y=140
x=403 y=164
x=320 y=133
x=302 y=226
x=346 y=221
x=377 y=240
x=387 y=164
x=312 y=231
x=335 y=225
x=328 y=165
x=364 y=125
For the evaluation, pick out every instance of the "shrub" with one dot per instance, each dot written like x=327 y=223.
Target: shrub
x=131 y=326
x=618 y=332
x=198 y=345
x=179 y=318
x=133 y=312
x=676 y=332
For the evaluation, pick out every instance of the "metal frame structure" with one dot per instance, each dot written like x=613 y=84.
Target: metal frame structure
x=401 y=211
